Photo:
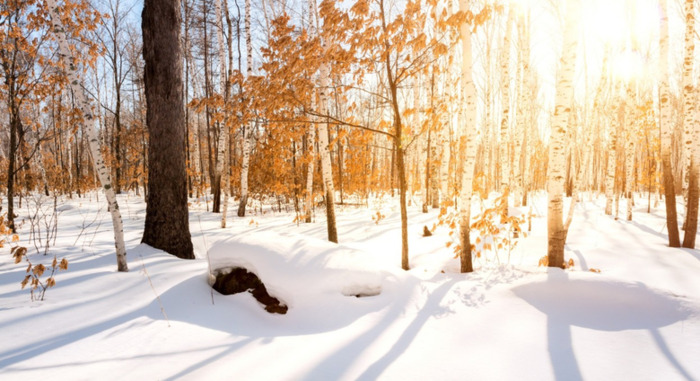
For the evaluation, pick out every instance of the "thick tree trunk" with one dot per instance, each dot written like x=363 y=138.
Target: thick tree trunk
x=167 y=217
x=691 y=218
x=691 y=222
x=556 y=176
x=666 y=122
x=73 y=74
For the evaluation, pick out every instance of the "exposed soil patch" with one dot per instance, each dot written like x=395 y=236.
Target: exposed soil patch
x=241 y=280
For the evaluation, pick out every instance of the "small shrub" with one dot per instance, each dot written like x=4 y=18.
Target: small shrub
x=378 y=217
x=544 y=262
x=35 y=272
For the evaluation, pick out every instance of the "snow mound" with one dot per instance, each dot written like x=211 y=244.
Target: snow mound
x=300 y=270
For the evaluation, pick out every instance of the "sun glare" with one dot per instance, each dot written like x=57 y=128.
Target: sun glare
x=628 y=29
x=628 y=65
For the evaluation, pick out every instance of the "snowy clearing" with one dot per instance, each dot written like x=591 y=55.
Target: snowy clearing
x=639 y=318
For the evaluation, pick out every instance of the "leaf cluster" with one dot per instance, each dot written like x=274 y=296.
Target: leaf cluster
x=35 y=272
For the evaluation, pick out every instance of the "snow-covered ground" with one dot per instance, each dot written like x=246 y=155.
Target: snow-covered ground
x=638 y=319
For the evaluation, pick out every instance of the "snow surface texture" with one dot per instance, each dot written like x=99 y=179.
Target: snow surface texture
x=639 y=318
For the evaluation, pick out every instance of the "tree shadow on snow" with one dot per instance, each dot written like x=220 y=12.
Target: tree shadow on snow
x=598 y=305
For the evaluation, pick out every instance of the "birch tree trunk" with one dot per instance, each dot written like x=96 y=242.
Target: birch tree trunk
x=469 y=129
x=311 y=141
x=688 y=93
x=221 y=172
x=324 y=149
x=246 y=134
x=630 y=150
x=610 y=168
x=556 y=176
x=505 y=97
x=523 y=77
x=691 y=219
x=81 y=102
x=666 y=128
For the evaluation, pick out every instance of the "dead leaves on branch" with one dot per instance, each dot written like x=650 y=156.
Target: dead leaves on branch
x=34 y=273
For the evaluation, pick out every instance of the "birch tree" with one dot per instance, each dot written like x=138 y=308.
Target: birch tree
x=688 y=93
x=505 y=103
x=666 y=127
x=221 y=163
x=556 y=176
x=81 y=102
x=246 y=131
x=470 y=132
x=323 y=143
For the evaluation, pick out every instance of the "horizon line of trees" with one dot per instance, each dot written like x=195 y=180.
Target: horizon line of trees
x=305 y=102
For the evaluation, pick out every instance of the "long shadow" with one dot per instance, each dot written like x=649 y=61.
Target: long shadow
x=646 y=229
x=559 y=345
x=581 y=260
x=226 y=351
x=336 y=364
x=661 y=343
x=599 y=305
x=409 y=334
x=694 y=253
x=30 y=351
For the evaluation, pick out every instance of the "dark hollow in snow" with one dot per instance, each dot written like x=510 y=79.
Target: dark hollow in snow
x=241 y=280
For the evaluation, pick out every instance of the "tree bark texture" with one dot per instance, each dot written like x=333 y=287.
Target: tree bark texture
x=666 y=123
x=103 y=173
x=167 y=217
x=556 y=177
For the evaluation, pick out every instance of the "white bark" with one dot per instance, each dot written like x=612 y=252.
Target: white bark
x=505 y=99
x=246 y=134
x=688 y=93
x=221 y=170
x=470 y=131
x=245 y=165
x=81 y=102
x=630 y=151
x=612 y=159
x=311 y=141
x=556 y=176
x=324 y=149
x=524 y=76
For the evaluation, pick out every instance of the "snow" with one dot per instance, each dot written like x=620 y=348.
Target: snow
x=639 y=318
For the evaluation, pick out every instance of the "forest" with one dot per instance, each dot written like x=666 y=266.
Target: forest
x=388 y=179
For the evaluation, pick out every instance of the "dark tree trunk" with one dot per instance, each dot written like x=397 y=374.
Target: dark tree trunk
x=670 y=194
x=14 y=125
x=167 y=217
x=426 y=200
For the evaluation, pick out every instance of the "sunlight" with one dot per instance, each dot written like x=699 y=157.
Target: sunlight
x=628 y=28
x=628 y=66
x=606 y=21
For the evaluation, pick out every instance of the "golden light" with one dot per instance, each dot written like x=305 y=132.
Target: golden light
x=628 y=65
x=605 y=21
